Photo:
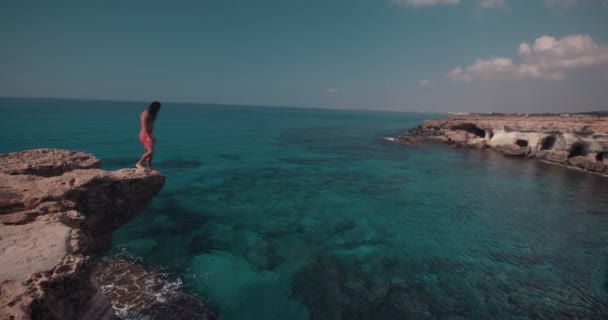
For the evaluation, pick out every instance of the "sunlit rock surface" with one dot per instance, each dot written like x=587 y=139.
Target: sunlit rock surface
x=57 y=215
x=577 y=141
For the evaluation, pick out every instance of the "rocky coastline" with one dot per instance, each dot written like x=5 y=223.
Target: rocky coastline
x=58 y=210
x=569 y=140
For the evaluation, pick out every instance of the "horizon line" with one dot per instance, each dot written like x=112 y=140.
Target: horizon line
x=223 y=104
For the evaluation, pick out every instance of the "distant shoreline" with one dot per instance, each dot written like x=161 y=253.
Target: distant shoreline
x=446 y=113
x=546 y=114
x=579 y=141
x=216 y=104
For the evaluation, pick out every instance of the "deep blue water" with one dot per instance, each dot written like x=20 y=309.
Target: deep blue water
x=283 y=213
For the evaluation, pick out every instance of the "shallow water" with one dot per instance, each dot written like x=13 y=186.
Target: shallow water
x=278 y=213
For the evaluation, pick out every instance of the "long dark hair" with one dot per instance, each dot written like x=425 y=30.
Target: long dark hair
x=153 y=109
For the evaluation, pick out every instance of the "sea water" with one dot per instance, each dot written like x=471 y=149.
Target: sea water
x=293 y=213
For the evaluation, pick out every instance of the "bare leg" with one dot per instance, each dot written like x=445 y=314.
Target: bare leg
x=145 y=157
x=149 y=160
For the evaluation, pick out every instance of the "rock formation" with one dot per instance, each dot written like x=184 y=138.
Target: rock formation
x=138 y=293
x=57 y=214
x=577 y=141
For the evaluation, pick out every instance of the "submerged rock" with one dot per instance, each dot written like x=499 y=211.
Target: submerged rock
x=137 y=293
x=57 y=215
x=241 y=292
x=580 y=142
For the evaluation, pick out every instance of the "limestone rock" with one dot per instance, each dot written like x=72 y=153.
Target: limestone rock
x=57 y=215
x=514 y=150
x=586 y=163
x=46 y=162
x=580 y=142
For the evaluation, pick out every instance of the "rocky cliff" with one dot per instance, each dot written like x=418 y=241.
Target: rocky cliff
x=575 y=141
x=57 y=214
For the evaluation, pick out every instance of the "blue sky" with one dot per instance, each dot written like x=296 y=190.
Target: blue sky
x=410 y=55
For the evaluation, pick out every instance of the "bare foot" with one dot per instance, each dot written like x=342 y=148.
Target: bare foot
x=139 y=167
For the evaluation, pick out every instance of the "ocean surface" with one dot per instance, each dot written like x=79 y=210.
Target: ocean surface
x=287 y=213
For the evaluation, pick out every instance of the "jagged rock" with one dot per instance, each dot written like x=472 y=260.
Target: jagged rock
x=555 y=157
x=575 y=141
x=514 y=150
x=479 y=143
x=57 y=215
x=457 y=137
x=145 y=294
x=585 y=163
x=46 y=162
x=409 y=140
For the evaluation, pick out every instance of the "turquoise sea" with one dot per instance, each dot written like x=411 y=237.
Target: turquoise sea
x=289 y=213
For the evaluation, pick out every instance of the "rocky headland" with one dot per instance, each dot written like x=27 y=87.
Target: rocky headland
x=57 y=214
x=569 y=140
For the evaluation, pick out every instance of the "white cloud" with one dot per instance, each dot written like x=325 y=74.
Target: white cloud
x=563 y=4
x=423 y=3
x=458 y=75
x=548 y=58
x=497 y=4
x=524 y=49
x=560 y=3
x=490 y=4
x=423 y=83
x=336 y=90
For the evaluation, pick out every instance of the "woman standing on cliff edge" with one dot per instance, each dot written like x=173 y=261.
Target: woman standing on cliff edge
x=146 y=136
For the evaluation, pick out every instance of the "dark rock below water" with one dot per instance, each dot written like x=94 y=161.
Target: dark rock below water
x=137 y=293
x=178 y=164
x=168 y=164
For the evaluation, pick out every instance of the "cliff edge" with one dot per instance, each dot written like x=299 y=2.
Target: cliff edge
x=577 y=141
x=57 y=214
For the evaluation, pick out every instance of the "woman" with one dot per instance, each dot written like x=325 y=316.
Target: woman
x=146 y=136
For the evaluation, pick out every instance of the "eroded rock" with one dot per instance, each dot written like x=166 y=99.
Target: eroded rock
x=57 y=215
x=579 y=142
x=146 y=294
x=46 y=162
